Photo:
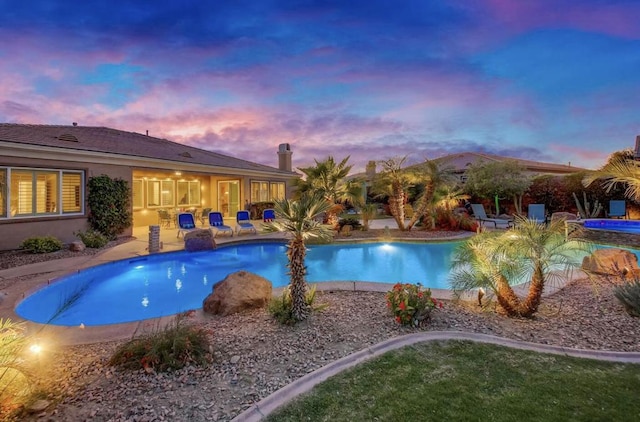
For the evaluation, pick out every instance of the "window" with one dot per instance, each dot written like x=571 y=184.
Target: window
x=160 y=193
x=189 y=192
x=267 y=191
x=39 y=192
x=137 y=193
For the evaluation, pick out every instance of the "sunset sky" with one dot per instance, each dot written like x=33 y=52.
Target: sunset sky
x=547 y=80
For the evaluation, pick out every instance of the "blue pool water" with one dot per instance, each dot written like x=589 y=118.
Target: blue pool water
x=623 y=226
x=166 y=284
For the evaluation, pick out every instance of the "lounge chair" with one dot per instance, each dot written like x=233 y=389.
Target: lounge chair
x=243 y=221
x=186 y=223
x=216 y=221
x=537 y=213
x=481 y=216
x=617 y=209
x=268 y=215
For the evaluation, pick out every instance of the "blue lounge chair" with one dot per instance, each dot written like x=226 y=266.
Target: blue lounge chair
x=243 y=221
x=216 y=221
x=617 y=208
x=537 y=213
x=186 y=223
x=481 y=216
x=268 y=215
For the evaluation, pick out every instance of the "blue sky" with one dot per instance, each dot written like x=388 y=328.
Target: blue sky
x=555 y=81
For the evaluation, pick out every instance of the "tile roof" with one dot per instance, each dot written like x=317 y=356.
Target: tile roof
x=107 y=140
x=472 y=157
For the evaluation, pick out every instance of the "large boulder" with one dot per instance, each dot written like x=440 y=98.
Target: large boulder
x=199 y=240
x=611 y=261
x=237 y=292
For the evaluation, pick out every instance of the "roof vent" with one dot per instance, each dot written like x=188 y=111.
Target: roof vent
x=186 y=155
x=67 y=138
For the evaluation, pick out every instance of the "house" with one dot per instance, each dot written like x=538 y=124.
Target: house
x=44 y=171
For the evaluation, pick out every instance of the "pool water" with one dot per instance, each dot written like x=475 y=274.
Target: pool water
x=166 y=284
x=623 y=226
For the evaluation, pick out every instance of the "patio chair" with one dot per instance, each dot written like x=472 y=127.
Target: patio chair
x=268 y=215
x=481 y=216
x=204 y=216
x=617 y=209
x=216 y=221
x=164 y=218
x=537 y=213
x=186 y=223
x=243 y=221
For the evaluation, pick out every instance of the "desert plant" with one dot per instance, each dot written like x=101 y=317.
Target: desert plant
x=41 y=244
x=173 y=347
x=281 y=308
x=368 y=211
x=628 y=294
x=298 y=219
x=410 y=304
x=15 y=382
x=92 y=239
x=587 y=209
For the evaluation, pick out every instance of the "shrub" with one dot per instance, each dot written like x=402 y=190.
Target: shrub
x=14 y=377
x=43 y=244
x=92 y=239
x=411 y=304
x=173 y=347
x=629 y=295
x=281 y=308
x=109 y=205
x=350 y=221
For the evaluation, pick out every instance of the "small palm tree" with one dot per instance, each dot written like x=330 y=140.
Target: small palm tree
x=530 y=252
x=394 y=182
x=298 y=219
x=616 y=171
x=433 y=177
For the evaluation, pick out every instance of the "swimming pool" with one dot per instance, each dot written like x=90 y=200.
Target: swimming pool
x=624 y=226
x=166 y=284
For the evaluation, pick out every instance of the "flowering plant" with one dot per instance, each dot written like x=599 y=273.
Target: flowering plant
x=411 y=304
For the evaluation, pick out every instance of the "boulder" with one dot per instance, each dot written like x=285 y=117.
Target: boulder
x=563 y=216
x=611 y=261
x=237 y=292
x=77 y=246
x=199 y=240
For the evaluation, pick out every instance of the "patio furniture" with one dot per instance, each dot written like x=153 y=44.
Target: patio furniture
x=481 y=216
x=164 y=218
x=186 y=223
x=244 y=222
x=617 y=209
x=537 y=213
x=204 y=216
x=216 y=221
x=268 y=215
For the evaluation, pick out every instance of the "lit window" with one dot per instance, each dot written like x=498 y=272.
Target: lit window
x=137 y=192
x=189 y=193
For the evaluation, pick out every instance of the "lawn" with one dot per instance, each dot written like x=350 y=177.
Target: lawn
x=465 y=381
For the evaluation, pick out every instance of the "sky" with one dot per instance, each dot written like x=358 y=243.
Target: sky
x=547 y=80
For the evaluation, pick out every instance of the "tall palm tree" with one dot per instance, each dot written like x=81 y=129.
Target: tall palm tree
x=328 y=179
x=529 y=252
x=298 y=219
x=616 y=171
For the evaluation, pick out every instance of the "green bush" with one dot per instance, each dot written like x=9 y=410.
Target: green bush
x=281 y=308
x=410 y=304
x=629 y=294
x=109 y=203
x=173 y=347
x=42 y=244
x=92 y=239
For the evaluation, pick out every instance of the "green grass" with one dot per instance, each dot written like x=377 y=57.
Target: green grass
x=464 y=381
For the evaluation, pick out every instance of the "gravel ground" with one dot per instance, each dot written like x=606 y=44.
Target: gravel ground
x=254 y=356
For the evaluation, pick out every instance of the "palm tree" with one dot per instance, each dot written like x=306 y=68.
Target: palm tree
x=497 y=261
x=298 y=219
x=327 y=178
x=394 y=182
x=618 y=170
x=433 y=176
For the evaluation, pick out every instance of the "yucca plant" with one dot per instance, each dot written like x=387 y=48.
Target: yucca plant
x=629 y=295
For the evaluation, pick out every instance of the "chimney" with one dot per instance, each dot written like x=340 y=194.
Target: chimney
x=370 y=170
x=284 y=157
x=636 y=155
x=75 y=123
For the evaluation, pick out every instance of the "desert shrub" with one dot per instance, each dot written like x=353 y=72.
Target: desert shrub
x=467 y=223
x=41 y=244
x=281 y=308
x=350 y=221
x=629 y=295
x=92 y=239
x=15 y=384
x=446 y=220
x=410 y=304
x=173 y=347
